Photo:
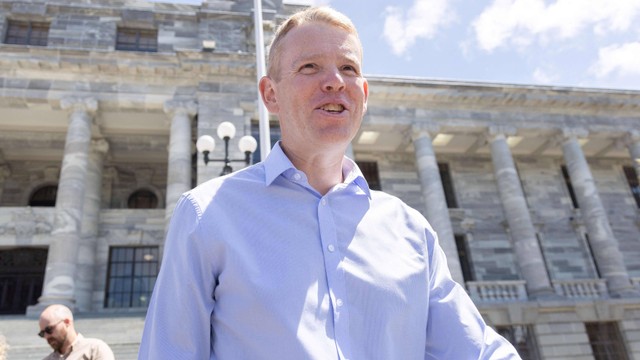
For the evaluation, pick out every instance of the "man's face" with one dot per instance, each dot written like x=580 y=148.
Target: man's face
x=318 y=93
x=58 y=334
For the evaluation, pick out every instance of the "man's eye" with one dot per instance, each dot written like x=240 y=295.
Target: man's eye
x=307 y=67
x=350 y=68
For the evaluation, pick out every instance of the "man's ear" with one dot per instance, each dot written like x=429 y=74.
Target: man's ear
x=365 y=86
x=268 y=94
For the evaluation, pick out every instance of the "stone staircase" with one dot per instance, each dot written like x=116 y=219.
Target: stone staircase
x=121 y=331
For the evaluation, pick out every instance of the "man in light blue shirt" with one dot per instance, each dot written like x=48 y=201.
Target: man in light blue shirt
x=295 y=257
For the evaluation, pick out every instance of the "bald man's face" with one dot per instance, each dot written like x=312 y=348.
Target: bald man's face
x=54 y=331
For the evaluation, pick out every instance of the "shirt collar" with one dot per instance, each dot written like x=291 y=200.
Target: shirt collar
x=277 y=163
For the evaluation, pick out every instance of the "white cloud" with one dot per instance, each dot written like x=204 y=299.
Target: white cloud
x=623 y=59
x=544 y=76
x=424 y=19
x=522 y=22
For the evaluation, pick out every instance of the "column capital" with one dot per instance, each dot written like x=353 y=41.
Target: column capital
x=181 y=107
x=419 y=129
x=75 y=103
x=500 y=131
x=573 y=133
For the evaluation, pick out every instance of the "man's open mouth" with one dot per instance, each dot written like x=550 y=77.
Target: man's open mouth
x=333 y=108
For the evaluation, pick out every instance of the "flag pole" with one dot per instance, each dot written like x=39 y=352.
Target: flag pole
x=265 y=137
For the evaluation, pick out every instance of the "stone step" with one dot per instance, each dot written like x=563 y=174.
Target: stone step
x=121 y=332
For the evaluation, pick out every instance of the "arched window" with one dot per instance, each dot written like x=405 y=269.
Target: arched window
x=142 y=199
x=44 y=196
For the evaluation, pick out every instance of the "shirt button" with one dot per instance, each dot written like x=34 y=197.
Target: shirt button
x=324 y=201
x=339 y=302
x=331 y=248
x=296 y=177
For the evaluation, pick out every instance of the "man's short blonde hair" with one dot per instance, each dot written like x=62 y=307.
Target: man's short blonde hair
x=322 y=14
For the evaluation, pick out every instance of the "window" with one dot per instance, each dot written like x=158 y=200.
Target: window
x=522 y=338
x=131 y=276
x=27 y=33
x=370 y=171
x=606 y=341
x=44 y=196
x=447 y=184
x=591 y=255
x=632 y=180
x=567 y=181
x=465 y=258
x=131 y=39
x=21 y=278
x=142 y=199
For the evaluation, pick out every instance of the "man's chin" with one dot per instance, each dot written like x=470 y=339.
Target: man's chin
x=55 y=345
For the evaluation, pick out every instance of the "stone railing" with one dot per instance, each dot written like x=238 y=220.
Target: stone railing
x=581 y=289
x=497 y=291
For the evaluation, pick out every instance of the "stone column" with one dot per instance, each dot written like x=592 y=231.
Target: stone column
x=603 y=242
x=437 y=211
x=59 y=281
x=633 y=143
x=90 y=222
x=179 y=164
x=523 y=234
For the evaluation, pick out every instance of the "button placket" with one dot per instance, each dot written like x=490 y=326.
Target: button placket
x=334 y=275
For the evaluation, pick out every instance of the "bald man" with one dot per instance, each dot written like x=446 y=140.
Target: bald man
x=56 y=326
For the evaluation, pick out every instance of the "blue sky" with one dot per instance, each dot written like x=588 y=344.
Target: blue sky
x=577 y=43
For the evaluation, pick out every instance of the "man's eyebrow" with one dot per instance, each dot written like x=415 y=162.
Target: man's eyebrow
x=351 y=57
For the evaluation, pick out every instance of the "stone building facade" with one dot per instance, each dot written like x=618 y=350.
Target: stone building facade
x=534 y=191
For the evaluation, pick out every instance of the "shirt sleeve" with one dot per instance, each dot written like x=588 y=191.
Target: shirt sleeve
x=455 y=328
x=178 y=321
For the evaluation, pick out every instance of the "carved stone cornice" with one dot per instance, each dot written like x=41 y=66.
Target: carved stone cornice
x=490 y=95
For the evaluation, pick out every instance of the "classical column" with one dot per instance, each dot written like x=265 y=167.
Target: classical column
x=437 y=211
x=179 y=164
x=523 y=234
x=90 y=221
x=59 y=281
x=633 y=143
x=603 y=243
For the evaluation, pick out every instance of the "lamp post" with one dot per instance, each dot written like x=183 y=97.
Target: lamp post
x=226 y=131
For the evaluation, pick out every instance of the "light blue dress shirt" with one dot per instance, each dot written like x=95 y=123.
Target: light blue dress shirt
x=259 y=265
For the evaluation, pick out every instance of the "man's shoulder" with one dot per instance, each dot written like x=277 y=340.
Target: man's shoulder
x=381 y=199
x=237 y=182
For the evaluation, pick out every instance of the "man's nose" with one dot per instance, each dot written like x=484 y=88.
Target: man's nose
x=333 y=81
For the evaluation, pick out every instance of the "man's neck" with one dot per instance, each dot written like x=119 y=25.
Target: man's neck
x=68 y=344
x=323 y=169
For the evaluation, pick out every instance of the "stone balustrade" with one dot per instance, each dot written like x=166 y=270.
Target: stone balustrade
x=497 y=291
x=581 y=289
